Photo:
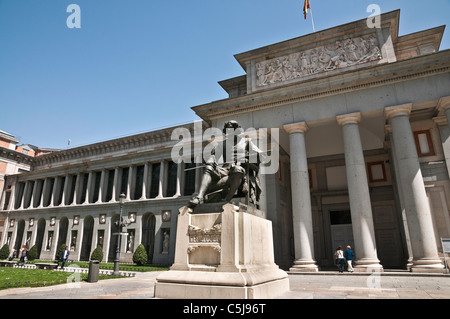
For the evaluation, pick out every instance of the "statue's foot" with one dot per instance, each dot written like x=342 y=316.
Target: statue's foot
x=195 y=201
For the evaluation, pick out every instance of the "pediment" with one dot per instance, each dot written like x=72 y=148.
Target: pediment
x=329 y=52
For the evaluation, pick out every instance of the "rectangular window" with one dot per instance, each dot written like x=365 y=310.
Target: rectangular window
x=377 y=172
x=424 y=143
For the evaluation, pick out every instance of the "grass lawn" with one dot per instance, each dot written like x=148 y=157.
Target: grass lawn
x=21 y=277
x=124 y=267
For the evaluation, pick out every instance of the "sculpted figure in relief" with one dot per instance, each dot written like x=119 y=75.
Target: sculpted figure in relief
x=342 y=54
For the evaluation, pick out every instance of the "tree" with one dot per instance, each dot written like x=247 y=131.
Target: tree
x=140 y=255
x=4 y=252
x=59 y=252
x=97 y=254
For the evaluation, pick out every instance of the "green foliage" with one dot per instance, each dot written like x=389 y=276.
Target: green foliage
x=59 y=252
x=4 y=252
x=33 y=253
x=140 y=255
x=97 y=254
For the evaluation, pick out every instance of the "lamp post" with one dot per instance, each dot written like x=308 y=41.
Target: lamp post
x=119 y=234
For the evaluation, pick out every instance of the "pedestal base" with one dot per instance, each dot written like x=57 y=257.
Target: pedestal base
x=227 y=255
x=221 y=285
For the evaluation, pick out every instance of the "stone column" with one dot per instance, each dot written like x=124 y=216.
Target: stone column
x=34 y=193
x=89 y=189
x=55 y=191
x=76 y=192
x=24 y=197
x=145 y=185
x=358 y=189
x=102 y=187
x=180 y=171
x=162 y=183
x=301 y=200
x=417 y=208
x=131 y=170
x=444 y=105
x=116 y=186
x=44 y=191
x=66 y=188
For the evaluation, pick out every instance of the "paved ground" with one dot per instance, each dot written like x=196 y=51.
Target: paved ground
x=324 y=285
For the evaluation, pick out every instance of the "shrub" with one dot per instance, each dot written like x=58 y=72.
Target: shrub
x=33 y=253
x=4 y=252
x=59 y=252
x=140 y=255
x=97 y=254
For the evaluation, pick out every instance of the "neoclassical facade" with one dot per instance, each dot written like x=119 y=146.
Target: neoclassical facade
x=361 y=116
x=363 y=138
x=72 y=197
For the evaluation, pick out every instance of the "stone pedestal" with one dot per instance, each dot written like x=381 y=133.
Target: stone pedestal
x=223 y=255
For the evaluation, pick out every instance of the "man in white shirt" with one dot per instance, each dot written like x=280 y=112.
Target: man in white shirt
x=64 y=256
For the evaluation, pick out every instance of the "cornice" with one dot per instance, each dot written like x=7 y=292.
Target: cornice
x=149 y=141
x=15 y=156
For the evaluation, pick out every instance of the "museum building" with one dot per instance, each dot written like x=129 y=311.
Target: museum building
x=362 y=129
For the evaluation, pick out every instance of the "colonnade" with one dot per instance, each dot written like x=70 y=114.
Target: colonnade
x=410 y=185
x=137 y=182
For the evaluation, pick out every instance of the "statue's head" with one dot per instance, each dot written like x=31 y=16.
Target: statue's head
x=230 y=125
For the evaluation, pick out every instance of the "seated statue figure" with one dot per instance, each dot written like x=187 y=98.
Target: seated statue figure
x=232 y=169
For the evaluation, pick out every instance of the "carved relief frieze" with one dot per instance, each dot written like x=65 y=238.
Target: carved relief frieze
x=205 y=235
x=322 y=59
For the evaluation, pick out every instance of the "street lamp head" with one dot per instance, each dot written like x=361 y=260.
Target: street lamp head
x=122 y=198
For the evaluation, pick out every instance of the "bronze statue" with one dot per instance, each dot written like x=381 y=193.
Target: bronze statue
x=231 y=169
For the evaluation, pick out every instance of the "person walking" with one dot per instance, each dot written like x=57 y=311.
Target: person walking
x=64 y=256
x=13 y=254
x=340 y=261
x=23 y=255
x=348 y=255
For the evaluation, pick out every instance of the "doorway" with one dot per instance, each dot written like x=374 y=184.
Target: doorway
x=341 y=229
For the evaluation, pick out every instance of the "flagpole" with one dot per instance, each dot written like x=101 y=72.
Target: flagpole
x=312 y=19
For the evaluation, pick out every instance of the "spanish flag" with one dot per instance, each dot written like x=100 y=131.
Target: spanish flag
x=305 y=8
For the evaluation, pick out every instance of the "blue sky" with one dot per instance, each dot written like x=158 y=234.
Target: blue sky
x=139 y=65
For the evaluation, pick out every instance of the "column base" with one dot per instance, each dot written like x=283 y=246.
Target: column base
x=304 y=266
x=427 y=266
x=368 y=265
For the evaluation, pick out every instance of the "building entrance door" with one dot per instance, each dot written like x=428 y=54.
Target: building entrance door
x=341 y=229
